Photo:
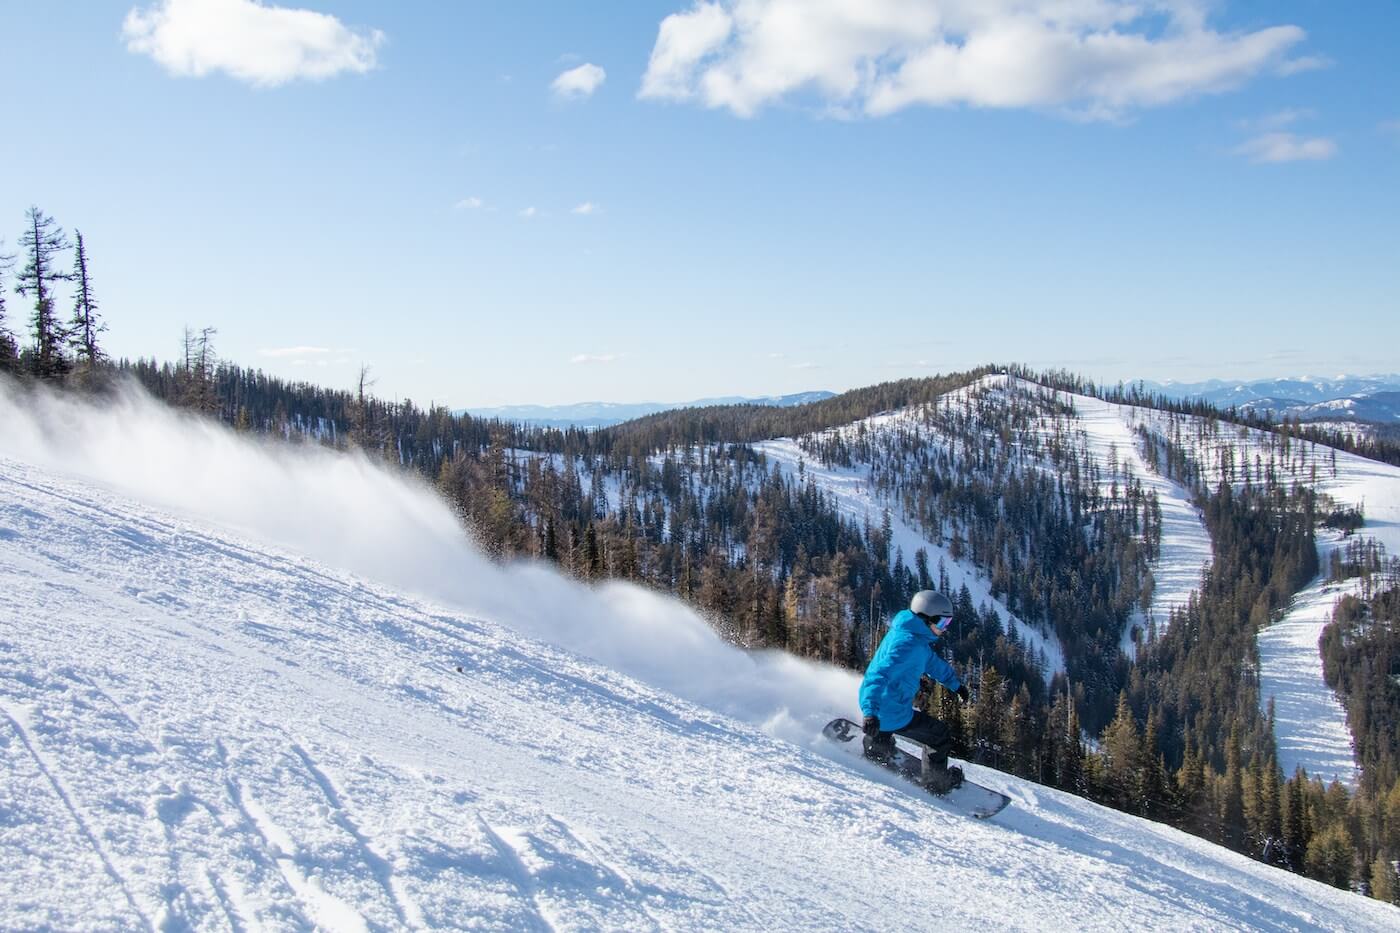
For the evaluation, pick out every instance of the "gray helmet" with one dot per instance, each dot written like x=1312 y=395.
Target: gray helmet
x=930 y=603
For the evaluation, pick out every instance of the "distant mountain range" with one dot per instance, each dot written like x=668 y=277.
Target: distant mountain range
x=606 y=414
x=1342 y=398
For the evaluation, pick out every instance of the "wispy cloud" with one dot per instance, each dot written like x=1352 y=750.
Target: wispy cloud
x=1303 y=63
x=529 y=213
x=587 y=207
x=1390 y=128
x=1277 y=120
x=1286 y=147
x=282 y=352
x=807 y=365
x=579 y=82
x=1095 y=58
x=584 y=359
x=470 y=204
x=248 y=40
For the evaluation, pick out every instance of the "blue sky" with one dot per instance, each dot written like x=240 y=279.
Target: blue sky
x=543 y=203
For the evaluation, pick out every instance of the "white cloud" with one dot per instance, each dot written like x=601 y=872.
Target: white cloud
x=1096 y=58
x=579 y=82
x=1286 y=147
x=589 y=358
x=249 y=40
x=470 y=204
x=529 y=213
x=587 y=207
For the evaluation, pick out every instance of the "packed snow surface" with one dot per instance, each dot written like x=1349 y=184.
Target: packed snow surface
x=217 y=711
x=1310 y=724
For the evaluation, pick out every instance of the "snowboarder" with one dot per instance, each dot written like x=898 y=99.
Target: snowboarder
x=892 y=681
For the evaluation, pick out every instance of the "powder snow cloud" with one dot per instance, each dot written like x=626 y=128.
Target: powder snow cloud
x=1090 y=58
x=249 y=40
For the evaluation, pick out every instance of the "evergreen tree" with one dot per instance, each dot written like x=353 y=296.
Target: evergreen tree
x=44 y=240
x=592 y=554
x=9 y=350
x=1015 y=735
x=1295 y=820
x=1330 y=857
x=1384 y=884
x=948 y=708
x=1122 y=759
x=1232 y=795
x=85 y=324
x=1193 y=800
x=987 y=715
x=1156 y=790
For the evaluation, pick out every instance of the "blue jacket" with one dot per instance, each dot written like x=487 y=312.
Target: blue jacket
x=892 y=679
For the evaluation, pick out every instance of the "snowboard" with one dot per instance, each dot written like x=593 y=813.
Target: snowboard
x=981 y=802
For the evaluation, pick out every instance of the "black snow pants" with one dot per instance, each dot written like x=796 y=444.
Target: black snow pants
x=931 y=732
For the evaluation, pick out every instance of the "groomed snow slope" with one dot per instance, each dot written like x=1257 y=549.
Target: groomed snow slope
x=1310 y=724
x=202 y=728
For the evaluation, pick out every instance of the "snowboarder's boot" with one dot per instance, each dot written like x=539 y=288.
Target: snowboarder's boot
x=879 y=747
x=937 y=776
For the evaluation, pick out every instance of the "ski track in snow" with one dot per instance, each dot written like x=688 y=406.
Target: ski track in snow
x=203 y=732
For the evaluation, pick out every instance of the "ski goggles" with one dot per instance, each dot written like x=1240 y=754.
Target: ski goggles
x=939 y=623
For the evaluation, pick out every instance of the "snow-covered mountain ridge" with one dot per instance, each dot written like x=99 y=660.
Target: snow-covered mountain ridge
x=263 y=727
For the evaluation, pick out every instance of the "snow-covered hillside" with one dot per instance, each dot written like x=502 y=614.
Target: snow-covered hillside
x=1103 y=430
x=229 y=699
x=1310 y=722
x=853 y=494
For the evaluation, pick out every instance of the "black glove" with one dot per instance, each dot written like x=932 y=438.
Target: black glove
x=964 y=695
x=871 y=726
